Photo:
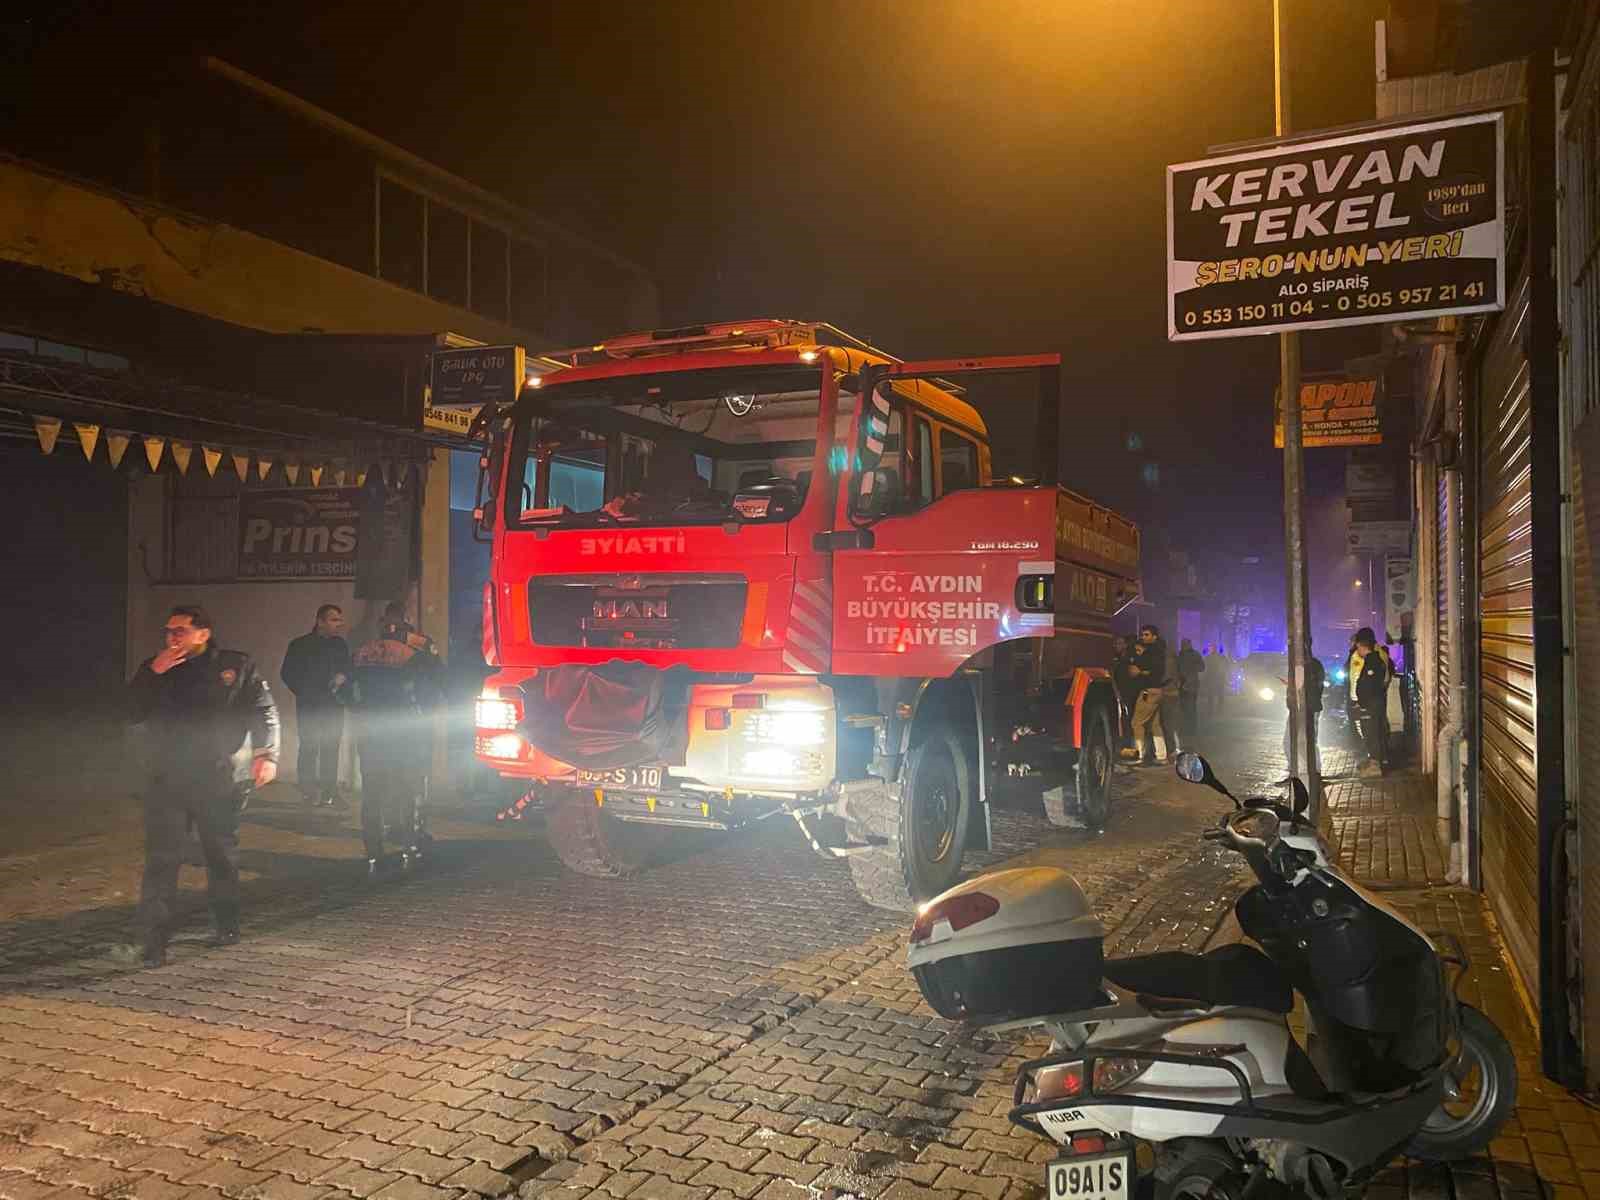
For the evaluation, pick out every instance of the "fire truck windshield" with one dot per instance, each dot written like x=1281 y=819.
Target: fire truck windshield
x=681 y=447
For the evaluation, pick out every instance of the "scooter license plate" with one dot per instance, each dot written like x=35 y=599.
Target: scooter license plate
x=632 y=779
x=1091 y=1177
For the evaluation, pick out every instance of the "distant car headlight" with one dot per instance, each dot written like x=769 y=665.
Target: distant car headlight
x=1339 y=676
x=1266 y=693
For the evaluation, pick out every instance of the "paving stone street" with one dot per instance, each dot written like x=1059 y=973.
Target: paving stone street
x=735 y=1023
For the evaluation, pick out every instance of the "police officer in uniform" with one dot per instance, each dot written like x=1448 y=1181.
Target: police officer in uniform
x=212 y=734
x=398 y=683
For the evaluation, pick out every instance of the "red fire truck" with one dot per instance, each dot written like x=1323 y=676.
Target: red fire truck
x=762 y=570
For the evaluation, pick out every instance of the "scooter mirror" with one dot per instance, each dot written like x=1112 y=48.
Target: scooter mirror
x=1194 y=769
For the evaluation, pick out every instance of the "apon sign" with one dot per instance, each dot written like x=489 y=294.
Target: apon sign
x=1376 y=226
x=1335 y=411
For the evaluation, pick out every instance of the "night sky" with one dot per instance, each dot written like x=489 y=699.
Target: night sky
x=938 y=176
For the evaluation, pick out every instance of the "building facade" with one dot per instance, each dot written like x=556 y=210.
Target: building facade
x=228 y=399
x=1508 y=624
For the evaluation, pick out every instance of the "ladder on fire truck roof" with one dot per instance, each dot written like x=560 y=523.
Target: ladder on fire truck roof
x=770 y=332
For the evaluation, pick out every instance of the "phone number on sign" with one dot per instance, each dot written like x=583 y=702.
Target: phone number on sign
x=1249 y=312
x=1345 y=302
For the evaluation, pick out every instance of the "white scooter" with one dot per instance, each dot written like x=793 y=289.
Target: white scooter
x=1177 y=1075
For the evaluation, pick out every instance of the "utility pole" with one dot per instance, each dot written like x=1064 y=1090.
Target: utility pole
x=1301 y=717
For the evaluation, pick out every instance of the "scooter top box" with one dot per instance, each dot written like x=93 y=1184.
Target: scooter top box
x=1007 y=946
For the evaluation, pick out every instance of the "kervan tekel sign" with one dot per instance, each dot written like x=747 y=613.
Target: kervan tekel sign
x=1377 y=226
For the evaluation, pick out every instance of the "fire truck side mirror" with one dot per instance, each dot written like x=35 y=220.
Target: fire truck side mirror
x=879 y=493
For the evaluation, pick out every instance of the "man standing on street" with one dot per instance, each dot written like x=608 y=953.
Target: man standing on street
x=398 y=684
x=1371 y=688
x=213 y=732
x=1148 y=671
x=1191 y=667
x=1123 y=686
x=316 y=669
x=1315 y=682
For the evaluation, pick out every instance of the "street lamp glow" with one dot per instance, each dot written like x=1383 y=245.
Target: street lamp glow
x=1358 y=583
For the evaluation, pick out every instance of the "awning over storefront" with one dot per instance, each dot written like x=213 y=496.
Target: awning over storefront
x=106 y=411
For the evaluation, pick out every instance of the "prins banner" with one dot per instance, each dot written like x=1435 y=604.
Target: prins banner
x=1377 y=226
x=299 y=533
x=320 y=534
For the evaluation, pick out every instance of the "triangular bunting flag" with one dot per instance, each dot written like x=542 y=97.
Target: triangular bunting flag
x=88 y=438
x=212 y=458
x=181 y=451
x=116 y=447
x=361 y=479
x=263 y=468
x=291 y=472
x=153 y=446
x=316 y=476
x=241 y=466
x=48 y=429
x=341 y=475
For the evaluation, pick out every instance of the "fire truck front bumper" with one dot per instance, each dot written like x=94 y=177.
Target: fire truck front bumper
x=775 y=736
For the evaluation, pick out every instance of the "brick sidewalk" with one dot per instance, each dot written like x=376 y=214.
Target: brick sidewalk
x=734 y=1025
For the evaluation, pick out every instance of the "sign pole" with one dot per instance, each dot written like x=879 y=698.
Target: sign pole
x=1301 y=717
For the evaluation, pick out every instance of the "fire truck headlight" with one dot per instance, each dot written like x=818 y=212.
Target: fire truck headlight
x=491 y=712
x=787 y=727
x=501 y=745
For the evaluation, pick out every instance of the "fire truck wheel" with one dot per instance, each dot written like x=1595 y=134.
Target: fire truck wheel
x=919 y=839
x=588 y=840
x=1096 y=771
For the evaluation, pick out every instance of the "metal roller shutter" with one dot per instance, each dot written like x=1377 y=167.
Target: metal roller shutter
x=1443 y=668
x=1508 y=756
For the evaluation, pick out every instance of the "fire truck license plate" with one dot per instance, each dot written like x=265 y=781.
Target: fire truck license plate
x=1091 y=1177
x=633 y=779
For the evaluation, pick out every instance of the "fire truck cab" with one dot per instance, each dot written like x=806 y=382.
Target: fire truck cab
x=761 y=569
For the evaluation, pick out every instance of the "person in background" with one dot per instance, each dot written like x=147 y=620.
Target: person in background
x=316 y=668
x=1191 y=672
x=1316 y=680
x=398 y=683
x=1352 y=674
x=1148 y=671
x=1393 y=709
x=1122 y=684
x=213 y=733
x=1170 y=690
x=1371 y=686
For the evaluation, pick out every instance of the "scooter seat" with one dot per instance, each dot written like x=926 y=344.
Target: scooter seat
x=1228 y=976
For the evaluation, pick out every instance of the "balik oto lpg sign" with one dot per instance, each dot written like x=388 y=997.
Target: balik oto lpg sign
x=1376 y=226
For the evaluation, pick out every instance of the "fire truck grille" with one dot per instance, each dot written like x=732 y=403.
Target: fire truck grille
x=666 y=612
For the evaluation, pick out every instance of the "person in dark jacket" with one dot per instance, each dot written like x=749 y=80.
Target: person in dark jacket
x=1122 y=685
x=212 y=733
x=1316 y=681
x=1149 y=672
x=1372 y=694
x=316 y=669
x=1191 y=666
x=398 y=682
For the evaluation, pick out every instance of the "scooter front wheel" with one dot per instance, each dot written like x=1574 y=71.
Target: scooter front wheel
x=1482 y=1094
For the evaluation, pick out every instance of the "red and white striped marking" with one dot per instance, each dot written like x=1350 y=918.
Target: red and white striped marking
x=808 y=649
